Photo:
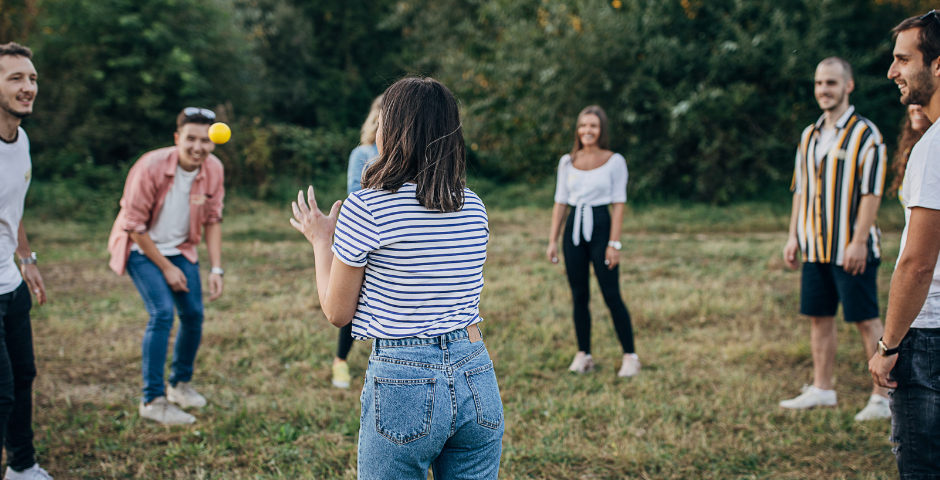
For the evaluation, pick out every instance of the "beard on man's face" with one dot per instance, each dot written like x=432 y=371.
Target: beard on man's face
x=5 y=106
x=920 y=88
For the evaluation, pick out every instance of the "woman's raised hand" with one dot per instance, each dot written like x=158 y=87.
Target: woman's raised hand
x=310 y=221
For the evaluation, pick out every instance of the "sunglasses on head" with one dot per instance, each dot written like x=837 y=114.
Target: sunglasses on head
x=934 y=13
x=190 y=111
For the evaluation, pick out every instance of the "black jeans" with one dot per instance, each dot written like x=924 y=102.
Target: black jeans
x=578 y=261
x=345 y=341
x=915 y=405
x=17 y=371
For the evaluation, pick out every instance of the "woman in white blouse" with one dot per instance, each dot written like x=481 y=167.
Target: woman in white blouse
x=590 y=179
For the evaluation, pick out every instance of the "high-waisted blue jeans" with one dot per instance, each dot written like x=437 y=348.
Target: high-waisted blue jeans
x=159 y=300
x=430 y=403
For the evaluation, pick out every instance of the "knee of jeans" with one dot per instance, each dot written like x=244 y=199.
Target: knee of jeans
x=24 y=380
x=191 y=320
x=161 y=318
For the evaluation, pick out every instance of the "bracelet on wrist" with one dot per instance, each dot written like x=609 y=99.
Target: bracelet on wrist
x=217 y=270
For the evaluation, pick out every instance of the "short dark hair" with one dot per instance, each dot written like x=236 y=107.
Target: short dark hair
x=929 y=36
x=603 y=140
x=846 y=66
x=16 y=50
x=198 y=119
x=422 y=142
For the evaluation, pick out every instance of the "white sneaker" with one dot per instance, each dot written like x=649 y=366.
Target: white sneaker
x=630 y=366
x=162 y=411
x=877 y=408
x=582 y=363
x=31 y=473
x=811 y=397
x=185 y=395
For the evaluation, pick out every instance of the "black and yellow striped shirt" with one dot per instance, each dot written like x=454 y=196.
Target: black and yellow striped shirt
x=832 y=192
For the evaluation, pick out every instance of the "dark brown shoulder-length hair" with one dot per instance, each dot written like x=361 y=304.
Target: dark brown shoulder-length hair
x=906 y=140
x=422 y=142
x=603 y=141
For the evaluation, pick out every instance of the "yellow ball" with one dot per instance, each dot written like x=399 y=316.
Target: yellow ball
x=219 y=133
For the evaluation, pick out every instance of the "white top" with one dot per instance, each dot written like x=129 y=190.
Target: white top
x=423 y=269
x=17 y=171
x=171 y=228
x=603 y=185
x=827 y=139
x=921 y=188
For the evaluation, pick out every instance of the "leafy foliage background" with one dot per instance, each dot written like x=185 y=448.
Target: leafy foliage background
x=706 y=99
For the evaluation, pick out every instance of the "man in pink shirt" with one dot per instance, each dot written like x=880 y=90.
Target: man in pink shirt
x=171 y=194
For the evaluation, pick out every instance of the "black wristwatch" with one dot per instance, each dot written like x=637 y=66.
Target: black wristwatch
x=884 y=351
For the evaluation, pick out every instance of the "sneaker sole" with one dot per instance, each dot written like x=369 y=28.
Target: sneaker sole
x=798 y=409
x=338 y=384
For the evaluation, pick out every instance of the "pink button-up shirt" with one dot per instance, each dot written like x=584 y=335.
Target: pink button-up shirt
x=147 y=184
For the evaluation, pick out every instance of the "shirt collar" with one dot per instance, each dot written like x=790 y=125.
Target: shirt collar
x=843 y=120
x=173 y=161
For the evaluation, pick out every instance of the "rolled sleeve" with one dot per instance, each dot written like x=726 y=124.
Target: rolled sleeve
x=215 y=203
x=140 y=194
x=356 y=233
x=561 y=185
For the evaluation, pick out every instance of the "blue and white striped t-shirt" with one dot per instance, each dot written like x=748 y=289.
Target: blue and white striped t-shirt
x=423 y=269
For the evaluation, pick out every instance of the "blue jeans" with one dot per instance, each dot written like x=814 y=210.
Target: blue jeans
x=430 y=402
x=159 y=300
x=915 y=405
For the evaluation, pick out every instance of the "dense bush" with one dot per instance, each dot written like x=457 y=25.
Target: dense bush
x=706 y=99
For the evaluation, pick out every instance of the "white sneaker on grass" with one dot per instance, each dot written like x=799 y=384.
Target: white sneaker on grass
x=582 y=363
x=630 y=366
x=877 y=408
x=31 y=473
x=160 y=410
x=185 y=395
x=812 y=397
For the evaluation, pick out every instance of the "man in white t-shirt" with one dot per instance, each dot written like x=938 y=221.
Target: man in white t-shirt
x=908 y=357
x=18 y=90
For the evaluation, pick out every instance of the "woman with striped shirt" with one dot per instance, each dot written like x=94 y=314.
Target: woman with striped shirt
x=406 y=268
x=593 y=181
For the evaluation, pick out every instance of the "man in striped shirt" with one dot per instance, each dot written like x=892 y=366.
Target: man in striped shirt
x=837 y=186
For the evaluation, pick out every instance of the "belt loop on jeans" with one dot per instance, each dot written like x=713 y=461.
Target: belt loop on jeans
x=443 y=341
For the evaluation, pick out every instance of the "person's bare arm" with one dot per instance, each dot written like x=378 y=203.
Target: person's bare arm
x=175 y=277
x=558 y=216
x=909 y=287
x=214 y=246
x=856 y=254
x=30 y=272
x=791 y=252
x=612 y=255
x=338 y=284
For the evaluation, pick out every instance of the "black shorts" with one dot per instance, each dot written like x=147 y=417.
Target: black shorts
x=824 y=285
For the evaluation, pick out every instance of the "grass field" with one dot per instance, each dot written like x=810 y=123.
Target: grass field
x=713 y=310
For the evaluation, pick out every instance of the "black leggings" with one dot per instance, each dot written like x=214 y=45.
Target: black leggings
x=345 y=341
x=577 y=263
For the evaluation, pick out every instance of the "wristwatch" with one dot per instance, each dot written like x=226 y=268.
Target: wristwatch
x=217 y=270
x=884 y=351
x=30 y=260
x=613 y=243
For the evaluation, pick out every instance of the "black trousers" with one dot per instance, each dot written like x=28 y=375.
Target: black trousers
x=344 y=342
x=578 y=260
x=17 y=371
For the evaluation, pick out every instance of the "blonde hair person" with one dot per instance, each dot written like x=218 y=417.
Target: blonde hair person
x=593 y=181
x=360 y=158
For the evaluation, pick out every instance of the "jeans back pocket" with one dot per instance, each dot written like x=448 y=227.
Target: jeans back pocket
x=489 y=405
x=403 y=408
